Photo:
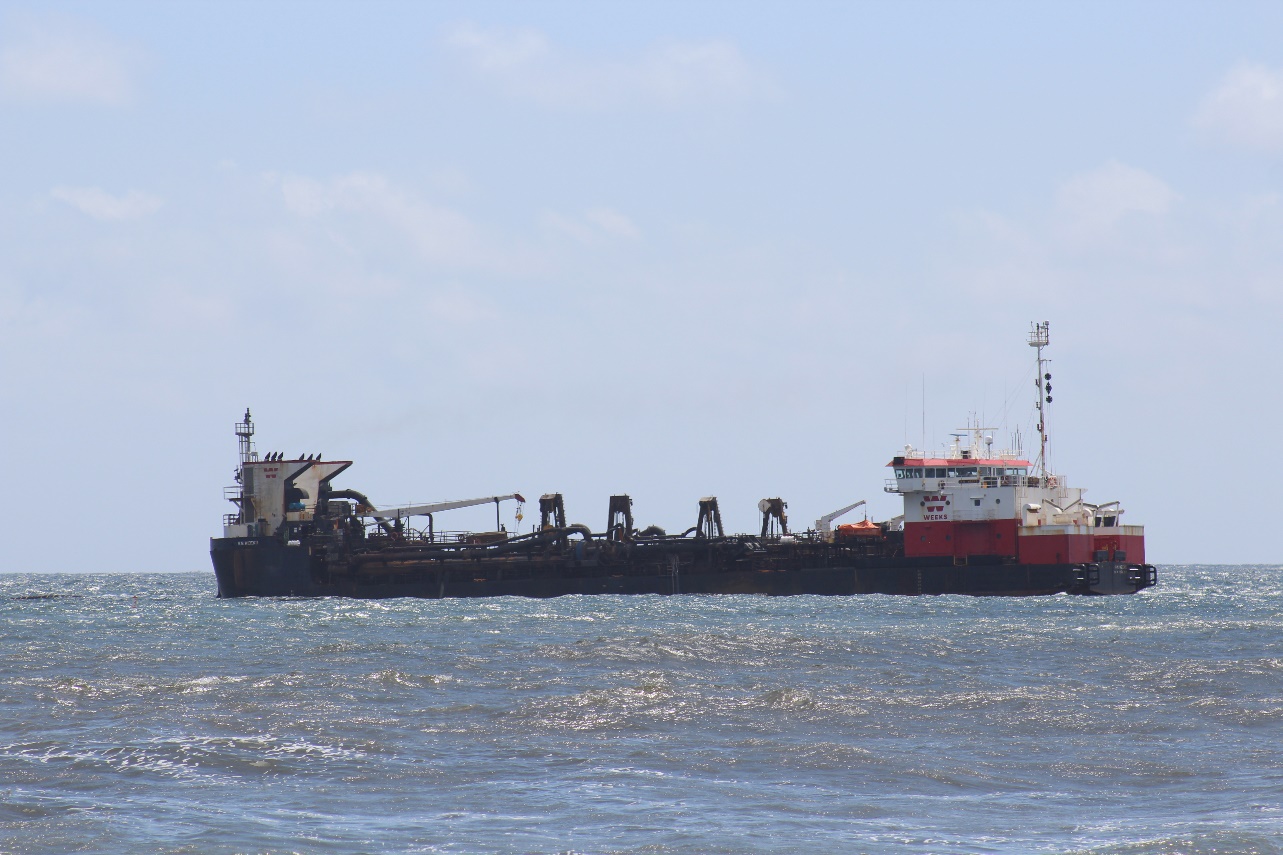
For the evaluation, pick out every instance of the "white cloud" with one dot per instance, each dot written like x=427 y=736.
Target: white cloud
x=1246 y=109
x=673 y=74
x=101 y=205
x=438 y=234
x=681 y=72
x=60 y=60
x=1096 y=201
x=308 y=197
x=614 y=223
x=593 y=225
x=1121 y=237
x=568 y=226
x=494 y=51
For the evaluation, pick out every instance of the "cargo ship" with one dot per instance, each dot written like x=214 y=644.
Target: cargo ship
x=975 y=521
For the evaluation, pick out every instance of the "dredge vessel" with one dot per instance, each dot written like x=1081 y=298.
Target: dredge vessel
x=975 y=521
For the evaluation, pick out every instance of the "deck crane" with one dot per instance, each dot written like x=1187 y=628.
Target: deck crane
x=428 y=510
x=824 y=525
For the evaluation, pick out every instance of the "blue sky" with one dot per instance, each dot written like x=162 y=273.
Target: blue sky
x=667 y=249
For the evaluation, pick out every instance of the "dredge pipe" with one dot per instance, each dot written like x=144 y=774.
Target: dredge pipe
x=579 y=528
x=361 y=497
x=472 y=550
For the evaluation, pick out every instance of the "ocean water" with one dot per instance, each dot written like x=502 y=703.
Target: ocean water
x=140 y=714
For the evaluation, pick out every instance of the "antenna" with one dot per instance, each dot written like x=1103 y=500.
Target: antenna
x=1040 y=337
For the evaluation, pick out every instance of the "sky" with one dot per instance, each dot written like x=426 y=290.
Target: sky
x=666 y=249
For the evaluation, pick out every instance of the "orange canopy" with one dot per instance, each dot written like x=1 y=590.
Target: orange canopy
x=860 y=529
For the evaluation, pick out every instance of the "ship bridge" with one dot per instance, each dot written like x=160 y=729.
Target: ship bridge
x=922 y=473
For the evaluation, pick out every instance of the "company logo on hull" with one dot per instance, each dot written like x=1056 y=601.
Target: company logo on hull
x=934 y=508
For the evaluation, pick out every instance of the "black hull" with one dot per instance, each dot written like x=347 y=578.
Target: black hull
x=268 y=568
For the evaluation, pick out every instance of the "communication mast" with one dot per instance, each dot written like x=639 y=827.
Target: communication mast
x=1040 y=337
x=244 y=432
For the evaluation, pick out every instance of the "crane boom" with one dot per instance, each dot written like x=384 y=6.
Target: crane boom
x=421 y=510
x=824 y=524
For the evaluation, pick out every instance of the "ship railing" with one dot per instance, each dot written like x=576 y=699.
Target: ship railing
x=414 y=535
x=892 y=485
x=1020 y=481
x=231 y=519
x=441 y=536
x=233 y=493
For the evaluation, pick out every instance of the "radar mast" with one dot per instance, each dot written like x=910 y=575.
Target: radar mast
x=244 y=432
x=1040 y=337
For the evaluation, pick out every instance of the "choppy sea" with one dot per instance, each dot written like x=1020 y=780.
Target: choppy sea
x=138 y=713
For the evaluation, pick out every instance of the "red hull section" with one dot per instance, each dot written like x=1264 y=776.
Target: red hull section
x=963 y=540
x=960 y=539
x=1132 y=547
x=1055 y=548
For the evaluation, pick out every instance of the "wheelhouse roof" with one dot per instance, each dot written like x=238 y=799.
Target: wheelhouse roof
x=958 y=461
